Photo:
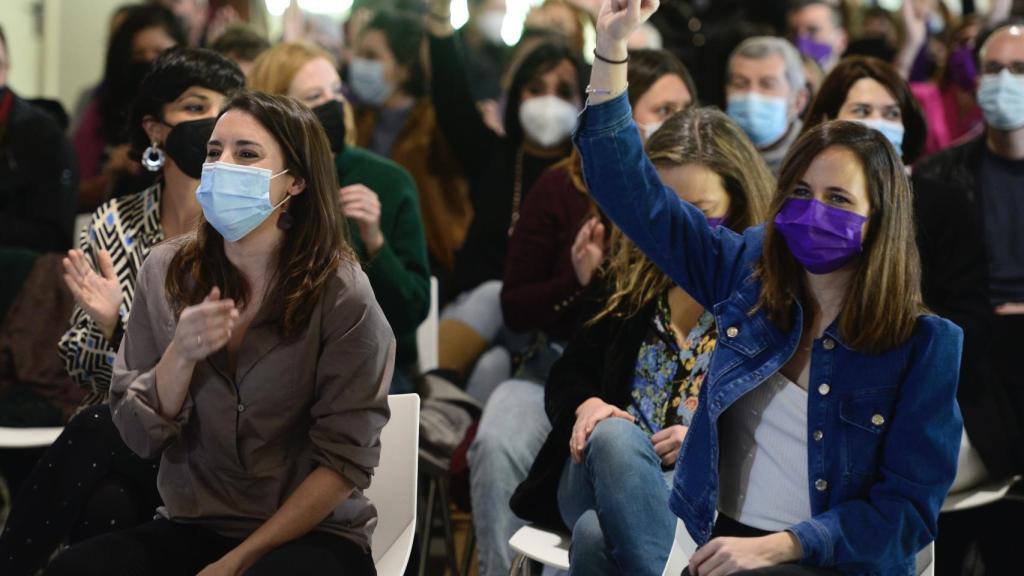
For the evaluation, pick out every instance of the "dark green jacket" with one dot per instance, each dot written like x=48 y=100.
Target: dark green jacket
x=399 y=273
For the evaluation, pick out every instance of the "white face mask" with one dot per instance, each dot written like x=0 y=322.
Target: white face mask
x=547 y=120
x=489 y=25
x=648 y=130
x=366 y=78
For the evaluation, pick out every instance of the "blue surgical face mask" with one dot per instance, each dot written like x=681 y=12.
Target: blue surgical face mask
x=893 y=131
x=366 y=77
x=236 y=199
x=1001 y=98
x=763 y=118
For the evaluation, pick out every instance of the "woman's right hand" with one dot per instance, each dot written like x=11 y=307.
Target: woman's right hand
x=592 y=411
x=98 y=295
x=206 y=327
x=618 y=19
x=588 y=250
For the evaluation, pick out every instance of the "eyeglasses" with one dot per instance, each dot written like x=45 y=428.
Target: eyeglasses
x=1016 y=68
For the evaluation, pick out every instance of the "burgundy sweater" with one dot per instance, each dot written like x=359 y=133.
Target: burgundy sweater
x=541 y=292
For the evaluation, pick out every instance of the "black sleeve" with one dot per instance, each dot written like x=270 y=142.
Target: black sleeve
x=470 y=139
x=43 y=202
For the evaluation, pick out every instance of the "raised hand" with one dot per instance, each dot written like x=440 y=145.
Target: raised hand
x=363 y=205
x=206 y=327
x=618 y=19
x=588 y=250
x=98 y=295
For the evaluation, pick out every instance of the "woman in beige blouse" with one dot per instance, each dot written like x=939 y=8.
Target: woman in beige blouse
x=256 y=362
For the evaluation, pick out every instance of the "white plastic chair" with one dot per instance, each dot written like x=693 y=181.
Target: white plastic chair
x=393 y=490
x=28 y=437
x=426 y=333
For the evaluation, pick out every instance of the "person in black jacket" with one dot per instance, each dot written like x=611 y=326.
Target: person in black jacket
x=987 y=219
x=38 y=180
x=630 y=411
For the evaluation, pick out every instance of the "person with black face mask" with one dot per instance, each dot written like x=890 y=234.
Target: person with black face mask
x=378 y=196
x=100 y=133
x=88 y=482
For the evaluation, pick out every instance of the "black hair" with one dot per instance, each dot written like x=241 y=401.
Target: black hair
x=242 y=41
x=405 y=35
x=121 y=77
x=543 y=58
x=646 y=67
x=175 y=71
x=837 y=14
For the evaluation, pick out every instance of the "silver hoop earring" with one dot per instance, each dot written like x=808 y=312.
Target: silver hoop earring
x=153 y=158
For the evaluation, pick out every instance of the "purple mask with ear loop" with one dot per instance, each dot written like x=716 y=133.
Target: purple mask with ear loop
x=817 y=51
x=822 y=238
x=716 y=222
x=962 y=70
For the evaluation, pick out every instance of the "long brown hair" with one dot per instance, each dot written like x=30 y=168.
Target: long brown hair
x=884 y=299
x=702 y=136
x=312 y=248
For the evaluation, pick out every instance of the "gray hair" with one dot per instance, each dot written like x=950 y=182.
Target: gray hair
x=760 y=47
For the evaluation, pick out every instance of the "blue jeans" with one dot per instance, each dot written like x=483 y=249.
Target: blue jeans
x=616 y=503
x=512 y=430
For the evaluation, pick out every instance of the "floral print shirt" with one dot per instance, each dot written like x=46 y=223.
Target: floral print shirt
x=667 y=378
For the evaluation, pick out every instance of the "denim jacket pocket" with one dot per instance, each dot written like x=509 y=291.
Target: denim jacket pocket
x=864 y=417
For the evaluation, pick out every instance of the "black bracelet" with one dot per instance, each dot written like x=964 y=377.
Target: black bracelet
x=603 y=59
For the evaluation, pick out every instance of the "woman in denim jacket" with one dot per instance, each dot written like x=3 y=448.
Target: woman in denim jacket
x=827 y=431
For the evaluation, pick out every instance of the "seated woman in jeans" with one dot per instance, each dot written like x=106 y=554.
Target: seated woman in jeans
x=256 y=362
x=631 y=409
x=827 y=430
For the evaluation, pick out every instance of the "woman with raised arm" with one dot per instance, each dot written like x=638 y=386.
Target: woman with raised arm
x=827 y=430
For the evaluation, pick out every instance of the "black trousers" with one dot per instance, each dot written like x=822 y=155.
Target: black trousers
x=725 y=526
x=86 y=484
x=166 y=548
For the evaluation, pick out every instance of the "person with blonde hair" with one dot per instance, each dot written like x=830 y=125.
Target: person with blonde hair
x=655 y=343
x=377 y=195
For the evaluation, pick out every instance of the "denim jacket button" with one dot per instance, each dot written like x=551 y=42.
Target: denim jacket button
x=824 y=389
x=820 y=485
x=829 y=343
x=732 y=331
x=818 y=435
x=878 y=420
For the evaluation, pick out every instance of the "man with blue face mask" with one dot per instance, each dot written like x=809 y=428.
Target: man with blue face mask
x=990 y=169
x=765 y=94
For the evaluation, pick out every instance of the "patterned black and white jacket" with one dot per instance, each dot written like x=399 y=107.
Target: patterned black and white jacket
x=128 y=228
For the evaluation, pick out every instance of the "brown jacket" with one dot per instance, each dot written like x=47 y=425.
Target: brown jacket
x=243 y=443
x=444 y=194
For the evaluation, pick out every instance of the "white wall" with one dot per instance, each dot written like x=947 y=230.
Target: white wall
x=67 y=57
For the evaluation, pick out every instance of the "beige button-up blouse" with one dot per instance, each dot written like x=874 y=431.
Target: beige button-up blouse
x=243 y=442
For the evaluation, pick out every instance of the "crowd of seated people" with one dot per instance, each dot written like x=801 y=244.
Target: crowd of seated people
x=748 y=274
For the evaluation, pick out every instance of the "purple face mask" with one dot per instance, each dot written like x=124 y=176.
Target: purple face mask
x=716 y=222
x=821 y=238
x=817 y=51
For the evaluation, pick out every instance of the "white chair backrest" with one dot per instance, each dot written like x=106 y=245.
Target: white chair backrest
x=426 y=334
x=393 y=489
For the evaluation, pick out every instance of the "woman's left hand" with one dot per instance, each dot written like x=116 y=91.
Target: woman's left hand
x=362 y=205
x=723 y=556
x=667 y=443
x=228 y=565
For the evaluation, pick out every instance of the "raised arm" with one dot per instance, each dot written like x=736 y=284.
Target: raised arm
x=470 y=139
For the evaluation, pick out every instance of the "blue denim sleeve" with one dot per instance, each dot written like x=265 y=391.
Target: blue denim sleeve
x=706 y=263
x=899 y=517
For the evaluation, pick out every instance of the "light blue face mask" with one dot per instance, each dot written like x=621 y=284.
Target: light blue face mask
x=236 y=199
x=893 y=132
x=366 y=77
x=763 y=118
x=1001 y=98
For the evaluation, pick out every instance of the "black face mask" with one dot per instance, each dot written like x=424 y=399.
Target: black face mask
x=332 y=118
x=186 y=145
